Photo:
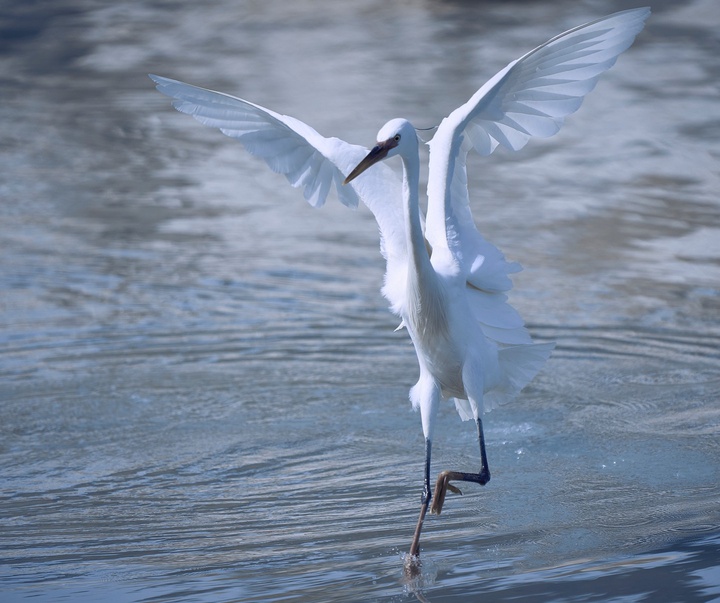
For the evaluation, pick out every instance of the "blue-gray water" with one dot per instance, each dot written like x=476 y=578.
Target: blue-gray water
x=202 y=398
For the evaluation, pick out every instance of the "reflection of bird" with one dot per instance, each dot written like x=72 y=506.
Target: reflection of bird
x=444 y=280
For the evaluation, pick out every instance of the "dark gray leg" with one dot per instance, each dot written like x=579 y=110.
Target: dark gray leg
x=427 y=493
x=482 y=477
x=484 y=473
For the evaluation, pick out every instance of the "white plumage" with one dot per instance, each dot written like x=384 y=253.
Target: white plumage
x=443 y=279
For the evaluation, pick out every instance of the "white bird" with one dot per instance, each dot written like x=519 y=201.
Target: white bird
x=443 y=279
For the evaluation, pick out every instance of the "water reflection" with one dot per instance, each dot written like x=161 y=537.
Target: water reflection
x=202 y=396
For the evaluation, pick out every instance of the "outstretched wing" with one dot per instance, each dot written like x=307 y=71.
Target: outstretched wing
x=287 y=145
x=307 y=159
x=530 y=97
x=533 y=95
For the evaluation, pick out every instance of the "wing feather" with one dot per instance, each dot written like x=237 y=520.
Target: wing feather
x=308 y=160
x=567 y=66
x=273 y=137
x=530 y=97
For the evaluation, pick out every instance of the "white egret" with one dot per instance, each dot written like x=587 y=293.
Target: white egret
x=443 y=279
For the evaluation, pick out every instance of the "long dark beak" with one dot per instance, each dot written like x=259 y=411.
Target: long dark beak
x=378 y=153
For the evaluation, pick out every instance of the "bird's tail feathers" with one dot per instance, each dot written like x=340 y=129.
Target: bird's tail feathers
x=518 y=365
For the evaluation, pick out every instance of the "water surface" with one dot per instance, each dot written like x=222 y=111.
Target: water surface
x=202 y=397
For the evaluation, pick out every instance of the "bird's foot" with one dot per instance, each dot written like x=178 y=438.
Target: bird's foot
x=412 y=566
x=443 y=485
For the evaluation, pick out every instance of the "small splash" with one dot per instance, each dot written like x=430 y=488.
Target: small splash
x=419 y=574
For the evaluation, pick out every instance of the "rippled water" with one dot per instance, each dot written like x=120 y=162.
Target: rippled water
x=202 y=397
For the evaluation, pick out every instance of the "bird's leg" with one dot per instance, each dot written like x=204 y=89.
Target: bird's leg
x=424 y=502
x=413 y=557
x=482 y=477
x=427 y=492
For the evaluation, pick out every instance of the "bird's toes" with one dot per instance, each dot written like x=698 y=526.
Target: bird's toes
x=454 y=489
x=440 y=491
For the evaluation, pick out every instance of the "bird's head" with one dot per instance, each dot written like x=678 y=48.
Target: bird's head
x=396 y=137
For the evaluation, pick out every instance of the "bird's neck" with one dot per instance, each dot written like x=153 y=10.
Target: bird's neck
x=417 y=251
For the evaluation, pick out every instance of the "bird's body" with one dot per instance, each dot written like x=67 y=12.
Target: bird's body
x=444 y=280
x=456 y=359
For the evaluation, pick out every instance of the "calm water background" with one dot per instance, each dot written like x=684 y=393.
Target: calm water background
x=202 y=397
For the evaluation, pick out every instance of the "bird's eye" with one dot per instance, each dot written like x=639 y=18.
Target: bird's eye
x=397 y=138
